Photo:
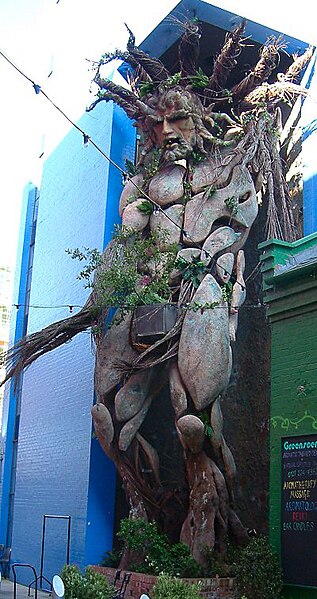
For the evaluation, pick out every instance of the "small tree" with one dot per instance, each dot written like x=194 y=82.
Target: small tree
x=258 y=571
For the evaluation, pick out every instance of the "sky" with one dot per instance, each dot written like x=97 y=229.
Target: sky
x=50 y=41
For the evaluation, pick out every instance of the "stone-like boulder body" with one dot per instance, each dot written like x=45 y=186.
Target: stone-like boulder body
x=167 y=186
x=204 y=355
x=103 y=423
x=177 y=390
x=238 y=295
x=130 y=398
x=215 y=171
x=160 y=222
x=130 y=192
x=130 y=429
x=192 y=431
x=112 y=348
x=204 y=209
x=133 y=217
x=224 y=266
x=217 y=241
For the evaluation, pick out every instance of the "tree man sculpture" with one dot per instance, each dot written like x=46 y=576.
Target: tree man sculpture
x=209 y=154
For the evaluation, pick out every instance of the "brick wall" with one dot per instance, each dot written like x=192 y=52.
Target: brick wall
x=212 y=588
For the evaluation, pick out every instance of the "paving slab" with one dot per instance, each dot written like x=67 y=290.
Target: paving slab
x=6 y=591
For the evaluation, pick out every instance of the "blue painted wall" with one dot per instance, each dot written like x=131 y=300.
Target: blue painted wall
x=59 y=469
x=102 y=481
x=17 y=330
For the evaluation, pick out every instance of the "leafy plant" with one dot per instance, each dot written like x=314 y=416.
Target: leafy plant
x=199 y=306
x=258 y=571
x=153 y=165
x=90 y=586
x=210 y=192
x=191 y=271
x=124 y=284
x=197 y=156
x=91 y=256
x=167 y=587
x=146 y=207
x=146 y=88
x=204 y=417
x=221 y=565
x=173 y=80
x=226 y=290
x=160 y=556
x=199 y=80
x=111 y=559
x=131 y=168
x=187 y=191
x=233 y=204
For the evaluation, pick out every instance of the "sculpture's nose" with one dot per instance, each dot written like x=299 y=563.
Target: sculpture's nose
x=167 y=128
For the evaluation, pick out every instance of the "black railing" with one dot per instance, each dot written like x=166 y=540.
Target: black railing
x=14 y=566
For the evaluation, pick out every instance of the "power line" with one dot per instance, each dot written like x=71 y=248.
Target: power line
x=128 y=307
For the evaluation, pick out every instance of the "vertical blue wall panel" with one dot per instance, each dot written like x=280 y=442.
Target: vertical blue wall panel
x=59 y=470
x=102 y=481
x=16 y=331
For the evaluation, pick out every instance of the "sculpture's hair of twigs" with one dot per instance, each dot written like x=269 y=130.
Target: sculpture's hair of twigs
x=150 y=75
x=226 y=61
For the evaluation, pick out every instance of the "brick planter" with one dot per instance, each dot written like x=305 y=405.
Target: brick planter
x=213 y=588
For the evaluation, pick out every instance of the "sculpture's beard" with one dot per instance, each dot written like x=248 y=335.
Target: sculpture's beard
x=176 y=148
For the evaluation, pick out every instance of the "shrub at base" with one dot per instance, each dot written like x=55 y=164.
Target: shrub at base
x=158 y=556
x=258 y=571
x=167 y=587
x=90 y=586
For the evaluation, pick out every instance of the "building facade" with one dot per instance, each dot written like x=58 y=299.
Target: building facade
x=53 y=465
x=290 y=283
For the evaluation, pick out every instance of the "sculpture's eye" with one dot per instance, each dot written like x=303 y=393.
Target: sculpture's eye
x=245 y=197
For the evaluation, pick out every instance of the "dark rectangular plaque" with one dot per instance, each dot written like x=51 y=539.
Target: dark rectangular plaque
x=299 y=510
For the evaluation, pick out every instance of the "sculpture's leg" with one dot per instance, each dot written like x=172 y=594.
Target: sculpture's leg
x=204 y=361
x=204 y=356
x=238 y=295
x=206 y=523
x=177 y=391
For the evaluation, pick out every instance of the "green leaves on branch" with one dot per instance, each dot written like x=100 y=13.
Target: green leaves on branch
x=193 y=271
x=146 y=88
x=159 y=555
x=167 y=587
x=137 y=273
x=93 y=259
x=227 y=292
x=90 y=586
x=258 y=571
x=130 y=168
x=205 y=418
x=233 y=204
x=199 y=306
x=199 y=80
x=146 y=207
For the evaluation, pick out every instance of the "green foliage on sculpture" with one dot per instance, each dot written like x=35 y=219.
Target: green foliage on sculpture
x=137 y=274
x=192 y=271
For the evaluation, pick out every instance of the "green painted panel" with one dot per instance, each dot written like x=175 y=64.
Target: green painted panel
x=293 y=406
